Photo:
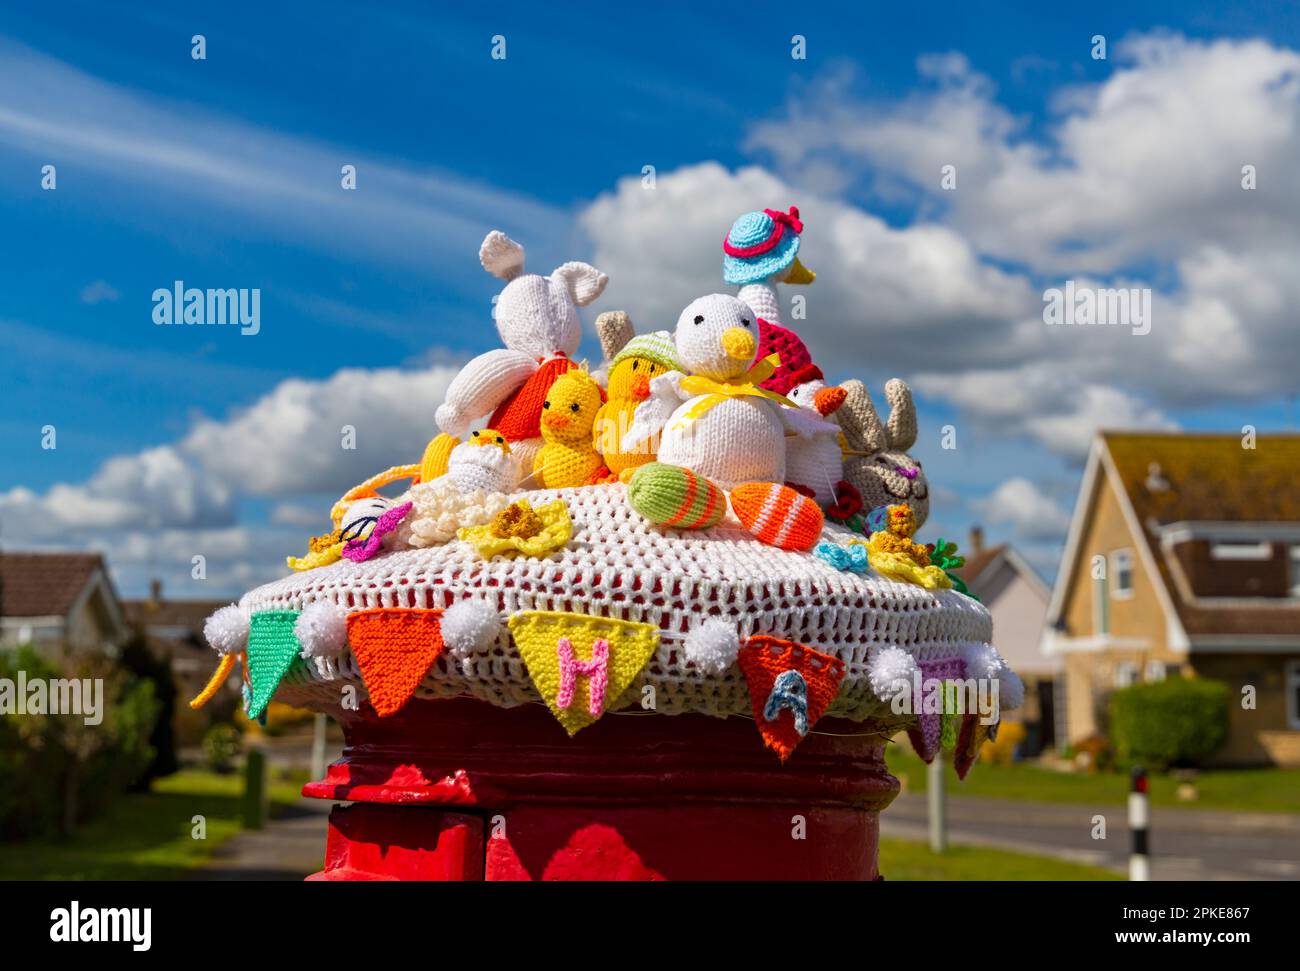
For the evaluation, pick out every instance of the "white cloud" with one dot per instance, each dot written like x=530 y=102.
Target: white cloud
x=886 y=300
x=1019 y=504
x=101 y=291
x=1145 y=164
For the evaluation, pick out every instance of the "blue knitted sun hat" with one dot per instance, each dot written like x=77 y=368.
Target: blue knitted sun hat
x=759 y=245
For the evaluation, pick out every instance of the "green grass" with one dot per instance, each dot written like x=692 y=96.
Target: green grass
x=1244 y=790
x=144 y=836
x=907 y=860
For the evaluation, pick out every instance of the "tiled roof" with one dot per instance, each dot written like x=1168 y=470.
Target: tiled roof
x=977 y=563
x=1212 y=478
x=44 y=584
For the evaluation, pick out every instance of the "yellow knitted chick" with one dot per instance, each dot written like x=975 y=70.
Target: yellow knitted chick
x=568 y=456
x=892 y=553
x=644 y=357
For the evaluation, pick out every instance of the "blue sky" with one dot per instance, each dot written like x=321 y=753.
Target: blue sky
x=225 y=173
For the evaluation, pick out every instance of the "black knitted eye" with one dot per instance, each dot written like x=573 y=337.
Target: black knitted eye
x=652 y=369
x=699 y=318
x=500 y=440
x=634 y=364
x=475 y=434
x=744 y=321
x=574 y=407
x=546 y=404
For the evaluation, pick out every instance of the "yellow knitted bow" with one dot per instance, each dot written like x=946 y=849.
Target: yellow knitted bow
x=747 y=385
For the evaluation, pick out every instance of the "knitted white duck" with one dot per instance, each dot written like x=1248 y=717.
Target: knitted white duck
x=537 y=318
x=716 y=421
x=722 y=431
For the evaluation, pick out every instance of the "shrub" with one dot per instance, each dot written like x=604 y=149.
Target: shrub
x=1177 y=722
x=55 y=770
x=1094 y=754
x=1010 y=735
x=220 y=746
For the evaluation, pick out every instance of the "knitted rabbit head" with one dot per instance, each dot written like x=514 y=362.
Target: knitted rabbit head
x=538 y=315
x=717 y=337
x=877 y=463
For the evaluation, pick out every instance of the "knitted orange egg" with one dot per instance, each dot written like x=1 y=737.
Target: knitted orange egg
x=777 y=515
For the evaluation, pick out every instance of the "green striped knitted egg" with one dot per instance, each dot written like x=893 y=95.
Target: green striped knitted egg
x=669 y=495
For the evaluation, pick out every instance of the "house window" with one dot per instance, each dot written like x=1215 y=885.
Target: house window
x=1121 y=568
x=1125 y=674
x=1295 y=570
x=1156 y=671
x=1293 y=694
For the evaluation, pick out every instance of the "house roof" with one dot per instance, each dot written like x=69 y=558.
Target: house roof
x=977 y=563
x=1200 y=478
x=45 y=584
x=172 y=625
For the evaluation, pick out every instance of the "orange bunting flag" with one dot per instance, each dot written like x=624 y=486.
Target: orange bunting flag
x=580 y=665
x=394 y=648
x=790 y=686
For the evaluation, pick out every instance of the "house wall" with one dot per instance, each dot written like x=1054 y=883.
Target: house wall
x=1019 y=614
x=1260 y=736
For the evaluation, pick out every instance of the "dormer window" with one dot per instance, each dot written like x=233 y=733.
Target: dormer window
x=1295 y=570
x=1121 y=571
x=1241 y=551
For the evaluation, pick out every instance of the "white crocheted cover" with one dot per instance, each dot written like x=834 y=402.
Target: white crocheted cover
x=619 y=565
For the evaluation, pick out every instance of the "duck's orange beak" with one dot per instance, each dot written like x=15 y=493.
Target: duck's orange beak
x=640 y=386
x=827 y=401
x=555 y=420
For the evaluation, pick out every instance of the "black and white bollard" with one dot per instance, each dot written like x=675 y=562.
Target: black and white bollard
x=1139 y=861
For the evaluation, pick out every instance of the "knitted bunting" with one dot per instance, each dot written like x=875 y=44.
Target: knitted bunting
x=927 y=735
x=580 y=665
x=790 y=687
x=394 y=648
x=272 y=647
x=974 y=733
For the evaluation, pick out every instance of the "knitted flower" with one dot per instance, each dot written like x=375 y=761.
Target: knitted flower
x=877 y=520
x=360 y=550
x=852 y=557
x=520 y=528
x=848 y=502
x=321 y=551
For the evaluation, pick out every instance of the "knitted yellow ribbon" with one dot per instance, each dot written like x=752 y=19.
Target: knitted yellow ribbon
x=747 y=385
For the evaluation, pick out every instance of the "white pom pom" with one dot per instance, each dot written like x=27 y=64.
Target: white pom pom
x=469 y=625
x=886 y=668
x=712 y=645
x=226 y=631
x=1011 y=690
x=983 y=661
x=322 y=629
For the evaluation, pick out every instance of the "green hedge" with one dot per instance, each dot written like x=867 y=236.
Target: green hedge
x=1178 y=722
x=56 y=771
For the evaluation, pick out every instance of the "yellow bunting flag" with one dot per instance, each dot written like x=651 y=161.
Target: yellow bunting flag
x=580 y=665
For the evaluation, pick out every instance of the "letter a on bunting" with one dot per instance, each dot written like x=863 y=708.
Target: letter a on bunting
x=579 y=664
x=791 y=686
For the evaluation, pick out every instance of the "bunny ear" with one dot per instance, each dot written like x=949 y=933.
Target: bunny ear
x=501 y=256
x=614 y=329
x=901 y=427
x=857 y=416
x=583 y=281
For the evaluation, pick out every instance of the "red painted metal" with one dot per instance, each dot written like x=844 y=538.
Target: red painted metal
x=458 y=789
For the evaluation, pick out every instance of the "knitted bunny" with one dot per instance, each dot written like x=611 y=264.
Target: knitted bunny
x=537 y=319
x=878 y=465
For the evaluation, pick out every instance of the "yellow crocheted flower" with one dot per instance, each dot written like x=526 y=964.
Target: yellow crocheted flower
x=901 y=567
x=322 y=551
x=519 y=528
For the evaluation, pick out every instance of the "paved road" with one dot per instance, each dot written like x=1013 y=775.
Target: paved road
x=1186 y=844
x=289 y=848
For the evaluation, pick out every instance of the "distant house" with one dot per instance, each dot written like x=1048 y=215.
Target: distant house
x=1183 y=557
x=59 y=601
x=1017 y=598
x=174 y=629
